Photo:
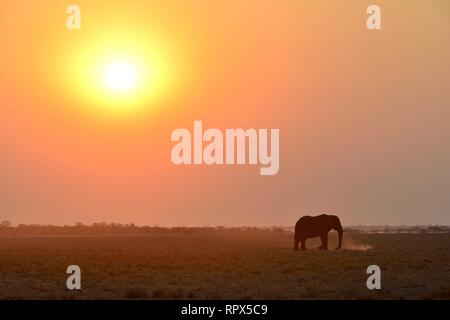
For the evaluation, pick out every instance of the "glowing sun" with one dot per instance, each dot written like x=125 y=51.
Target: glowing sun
x=120 y=76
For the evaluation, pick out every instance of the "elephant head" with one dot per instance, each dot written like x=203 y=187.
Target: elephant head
x=335 y=224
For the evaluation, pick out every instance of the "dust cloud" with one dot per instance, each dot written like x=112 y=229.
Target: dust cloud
x=350 y=244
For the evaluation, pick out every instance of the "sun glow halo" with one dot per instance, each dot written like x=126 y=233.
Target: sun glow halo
x=120 y=75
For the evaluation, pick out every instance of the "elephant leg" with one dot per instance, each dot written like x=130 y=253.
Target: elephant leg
x=303 y=242
x=324 y=239
x=296 y=244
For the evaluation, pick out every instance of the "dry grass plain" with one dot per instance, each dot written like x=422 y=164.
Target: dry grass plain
x=225 y=266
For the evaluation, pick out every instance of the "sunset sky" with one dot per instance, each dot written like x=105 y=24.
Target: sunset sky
x=364 y=116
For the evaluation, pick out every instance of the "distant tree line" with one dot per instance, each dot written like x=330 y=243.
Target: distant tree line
x=103 y=228
x=400 y=229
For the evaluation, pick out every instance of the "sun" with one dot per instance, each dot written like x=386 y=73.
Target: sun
x=120 y=76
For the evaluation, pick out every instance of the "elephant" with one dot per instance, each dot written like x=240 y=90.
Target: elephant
x=317 y=226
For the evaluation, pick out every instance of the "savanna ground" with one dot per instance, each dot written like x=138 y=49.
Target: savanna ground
x=225 y=266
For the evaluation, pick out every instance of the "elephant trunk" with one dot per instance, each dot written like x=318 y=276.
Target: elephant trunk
x=340 y=233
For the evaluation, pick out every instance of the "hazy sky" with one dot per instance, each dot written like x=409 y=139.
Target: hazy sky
x=363 y=115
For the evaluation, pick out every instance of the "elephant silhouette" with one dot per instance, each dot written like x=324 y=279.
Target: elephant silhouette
x=317 y=226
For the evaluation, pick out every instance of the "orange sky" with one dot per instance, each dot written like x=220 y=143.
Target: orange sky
x=363 y=115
